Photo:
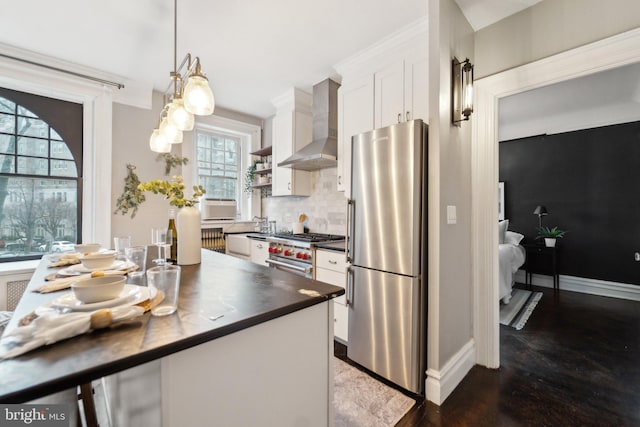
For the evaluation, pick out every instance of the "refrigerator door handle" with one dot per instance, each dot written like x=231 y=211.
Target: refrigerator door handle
x=349 y=296
x=351 y=217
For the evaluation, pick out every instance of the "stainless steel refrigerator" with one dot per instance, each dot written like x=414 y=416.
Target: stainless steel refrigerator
x=387 y=250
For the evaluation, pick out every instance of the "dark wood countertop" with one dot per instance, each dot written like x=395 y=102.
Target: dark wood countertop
x=246 y=294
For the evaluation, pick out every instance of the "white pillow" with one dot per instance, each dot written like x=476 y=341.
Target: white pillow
x=513 y=237
x=502 y=229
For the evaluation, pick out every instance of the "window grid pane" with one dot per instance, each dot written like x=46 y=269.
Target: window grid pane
x=218 y=166
x=38 y=211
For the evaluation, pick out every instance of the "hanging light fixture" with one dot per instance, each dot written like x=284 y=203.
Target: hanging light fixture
x=170 y=131
x=461 y=90
x=198 y=98
x=158 y=142
x=184 y=101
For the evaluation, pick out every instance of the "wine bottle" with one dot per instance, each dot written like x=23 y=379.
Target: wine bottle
x=173 y=256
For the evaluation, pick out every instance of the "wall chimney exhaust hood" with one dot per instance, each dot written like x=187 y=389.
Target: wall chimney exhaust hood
x=322 y=152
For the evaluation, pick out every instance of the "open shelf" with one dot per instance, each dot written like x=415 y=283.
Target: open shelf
x=266 y=151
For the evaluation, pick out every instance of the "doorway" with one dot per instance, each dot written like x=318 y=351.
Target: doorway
x=602 y=55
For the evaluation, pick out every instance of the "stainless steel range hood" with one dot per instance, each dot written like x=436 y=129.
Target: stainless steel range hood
x=322 y=152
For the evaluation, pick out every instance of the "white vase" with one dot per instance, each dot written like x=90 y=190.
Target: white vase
x=189 y=235
x=550 y=243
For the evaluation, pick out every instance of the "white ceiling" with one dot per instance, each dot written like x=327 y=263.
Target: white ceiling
x=482 y=13
x=252 y=51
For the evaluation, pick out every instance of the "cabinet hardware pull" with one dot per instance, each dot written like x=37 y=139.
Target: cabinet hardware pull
x=408 y=115
x=333 y=262
x=339 y=180
x=351 y=214
x=285 y=265
x=349 y=296
x=259 y=246
x=399 y=117
x=289 y=186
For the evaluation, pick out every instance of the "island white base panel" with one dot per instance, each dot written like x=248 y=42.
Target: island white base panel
x=278 y=373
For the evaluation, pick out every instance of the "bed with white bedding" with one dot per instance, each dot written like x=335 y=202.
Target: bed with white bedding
x=511 y=258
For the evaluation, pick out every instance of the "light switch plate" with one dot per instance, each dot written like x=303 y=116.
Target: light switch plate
x=451 y=215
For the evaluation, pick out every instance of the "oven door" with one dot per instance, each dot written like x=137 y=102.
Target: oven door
x=296 y=267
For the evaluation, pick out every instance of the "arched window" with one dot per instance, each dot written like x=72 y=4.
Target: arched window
x=40 y=174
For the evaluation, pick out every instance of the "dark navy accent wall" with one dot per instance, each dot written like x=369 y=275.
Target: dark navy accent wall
x=589 y=180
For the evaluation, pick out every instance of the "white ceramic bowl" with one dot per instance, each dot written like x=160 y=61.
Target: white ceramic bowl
x=98 y=288
x=87 y=248
x=98 y=261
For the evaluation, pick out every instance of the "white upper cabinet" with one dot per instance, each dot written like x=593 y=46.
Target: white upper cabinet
x=416 y=86
x=355 y=115
x=382 y=85
x=292 y=127
x=401 y=90
x=389 y=97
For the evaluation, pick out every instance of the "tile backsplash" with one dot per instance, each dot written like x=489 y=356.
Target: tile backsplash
x=326 y=208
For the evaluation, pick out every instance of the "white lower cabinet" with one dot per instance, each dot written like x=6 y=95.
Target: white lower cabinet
x=331 y=267
x=259 y=251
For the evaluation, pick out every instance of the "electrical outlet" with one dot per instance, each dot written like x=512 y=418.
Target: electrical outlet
x=637 y=256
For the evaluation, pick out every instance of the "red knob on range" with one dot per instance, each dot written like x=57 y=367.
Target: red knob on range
x=299 y=255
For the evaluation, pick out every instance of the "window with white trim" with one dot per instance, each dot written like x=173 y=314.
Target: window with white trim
x=218 y=158
x=40 y=187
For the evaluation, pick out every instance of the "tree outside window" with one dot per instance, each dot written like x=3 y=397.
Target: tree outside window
x=38 y=184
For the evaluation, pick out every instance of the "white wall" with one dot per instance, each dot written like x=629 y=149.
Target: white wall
x=132 y=127
x=450 y=313
x=549 y=27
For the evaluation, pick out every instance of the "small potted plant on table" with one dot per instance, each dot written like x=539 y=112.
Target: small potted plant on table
x=550 y=235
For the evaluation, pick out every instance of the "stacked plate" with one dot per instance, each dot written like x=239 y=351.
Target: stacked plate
x=130 y=295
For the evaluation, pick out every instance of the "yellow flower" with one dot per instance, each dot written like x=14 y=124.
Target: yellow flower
x=173 y=191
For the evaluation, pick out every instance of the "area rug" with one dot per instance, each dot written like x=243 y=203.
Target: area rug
x=517 y=312
x=362 y=401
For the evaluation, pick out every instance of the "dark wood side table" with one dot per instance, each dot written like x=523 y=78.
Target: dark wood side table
x=541 y=260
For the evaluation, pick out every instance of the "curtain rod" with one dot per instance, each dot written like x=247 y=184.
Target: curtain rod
x=73 y=73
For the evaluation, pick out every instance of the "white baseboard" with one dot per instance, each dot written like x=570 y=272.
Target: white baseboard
x=586 y=286
x=440 y=384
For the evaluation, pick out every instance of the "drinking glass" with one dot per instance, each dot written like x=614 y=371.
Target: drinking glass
x=165 y=279
x=120 y=243
x=162 y=238
x=137 y=255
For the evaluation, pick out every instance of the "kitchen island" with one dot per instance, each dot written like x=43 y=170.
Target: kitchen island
x=248 y=345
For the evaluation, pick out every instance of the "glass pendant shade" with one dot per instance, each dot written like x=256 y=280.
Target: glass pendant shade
x=179 y=116
x=158 y=142
x=170 y=132
x=198 y=98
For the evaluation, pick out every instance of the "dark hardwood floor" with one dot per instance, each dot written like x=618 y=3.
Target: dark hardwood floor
x=575 y=363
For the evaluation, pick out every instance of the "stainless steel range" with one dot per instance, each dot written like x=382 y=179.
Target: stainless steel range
x=294 y=252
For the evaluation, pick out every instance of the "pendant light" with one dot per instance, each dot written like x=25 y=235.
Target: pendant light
x=198 y=97
x=184 y=101
x=179 y=116
x=170 y=131
x=158 y=142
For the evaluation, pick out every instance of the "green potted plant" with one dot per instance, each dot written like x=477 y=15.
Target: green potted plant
x=550 y=235
x=250 y=176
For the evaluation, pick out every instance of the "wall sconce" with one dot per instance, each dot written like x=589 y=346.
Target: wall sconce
x=461 y=90
x=540 y=211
